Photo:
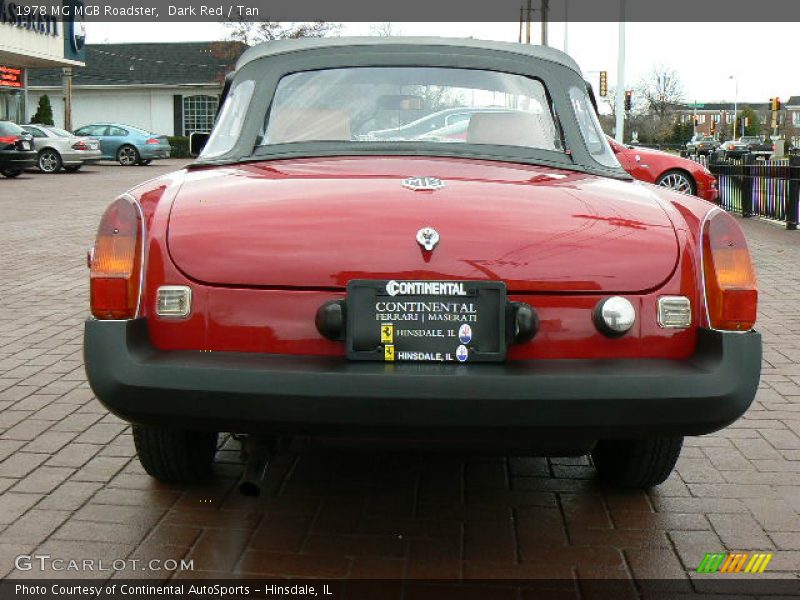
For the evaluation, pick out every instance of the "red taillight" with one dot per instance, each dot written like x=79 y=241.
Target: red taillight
x=152 y=142
x=731 y=291
x=9 y=140
x=80 y=146
x=116 y=262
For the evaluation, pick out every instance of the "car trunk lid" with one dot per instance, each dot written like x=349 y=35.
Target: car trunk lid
x=318 y=223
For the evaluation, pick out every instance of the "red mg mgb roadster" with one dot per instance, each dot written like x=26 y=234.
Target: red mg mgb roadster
x=511 y=289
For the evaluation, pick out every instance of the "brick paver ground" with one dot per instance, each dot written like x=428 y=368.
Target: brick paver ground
x=71 y=487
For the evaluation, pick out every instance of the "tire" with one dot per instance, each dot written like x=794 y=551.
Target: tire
x=175 y=456
x=679 y=181
x=637 y=464
x=49 y=161
x=127 y=155
x=73 y=168
x=11 y=173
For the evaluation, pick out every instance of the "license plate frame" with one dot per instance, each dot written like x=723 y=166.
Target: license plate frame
x=426 y=327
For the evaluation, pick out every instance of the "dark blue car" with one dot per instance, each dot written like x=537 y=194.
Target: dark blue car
x=126 y=144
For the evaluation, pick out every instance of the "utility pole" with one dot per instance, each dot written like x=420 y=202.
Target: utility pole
x=67 y=81
x=26 y=110
x=545 y=8
x=528 y=23
x=521 y=20
x=566 y=26
x=620 y=101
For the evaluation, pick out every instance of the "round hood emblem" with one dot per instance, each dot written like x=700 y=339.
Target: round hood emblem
x=419 y=184
x=428 y=237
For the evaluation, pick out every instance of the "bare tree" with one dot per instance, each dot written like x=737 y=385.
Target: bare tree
x=660 y=90
x=385 y=29
x=251 y=32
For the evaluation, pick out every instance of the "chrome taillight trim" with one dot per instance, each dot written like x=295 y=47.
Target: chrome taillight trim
x=143 y=232
x=702 y=265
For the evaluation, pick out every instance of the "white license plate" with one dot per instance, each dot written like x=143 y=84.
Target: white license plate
x=25 y=145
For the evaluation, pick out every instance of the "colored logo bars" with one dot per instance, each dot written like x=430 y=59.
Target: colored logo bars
x=742 y=562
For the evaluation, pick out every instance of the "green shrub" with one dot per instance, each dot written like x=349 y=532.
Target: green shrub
x=44 y=112
x=180 y=146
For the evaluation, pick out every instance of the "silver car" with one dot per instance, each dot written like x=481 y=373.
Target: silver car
x=58 y=148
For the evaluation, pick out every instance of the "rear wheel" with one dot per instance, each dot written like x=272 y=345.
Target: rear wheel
x=637 y=464
x=11 y=173
x=49 y=161
x=127 y=156
x=680 y=181
x=174 y=455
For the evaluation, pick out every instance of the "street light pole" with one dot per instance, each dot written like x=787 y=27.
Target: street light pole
x=735 y=103
x=620 y=102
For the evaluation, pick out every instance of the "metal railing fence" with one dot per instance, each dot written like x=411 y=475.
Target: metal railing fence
x=751 y=187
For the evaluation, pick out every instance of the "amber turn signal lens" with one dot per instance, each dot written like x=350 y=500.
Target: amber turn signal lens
x=116 y=263
x=731 y=291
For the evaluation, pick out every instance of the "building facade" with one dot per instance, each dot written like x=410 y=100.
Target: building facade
x=166 y=88
x=717 y=118
x=28 y=42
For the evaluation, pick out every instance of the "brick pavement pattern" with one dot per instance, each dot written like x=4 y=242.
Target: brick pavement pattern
x=71 y=487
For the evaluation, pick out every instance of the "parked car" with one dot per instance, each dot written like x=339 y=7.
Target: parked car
x=667 y=170
x=126 y=144
x=57 y=148
x=518 y=291
x=16 y=149
x=746 y=145
x=701 y=144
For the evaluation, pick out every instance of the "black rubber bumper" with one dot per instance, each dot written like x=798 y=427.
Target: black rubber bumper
x=585 y=398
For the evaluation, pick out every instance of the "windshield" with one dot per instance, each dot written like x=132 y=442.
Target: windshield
x=419 y=104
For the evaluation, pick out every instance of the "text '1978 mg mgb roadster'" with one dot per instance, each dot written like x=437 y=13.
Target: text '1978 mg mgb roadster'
x=511 y=289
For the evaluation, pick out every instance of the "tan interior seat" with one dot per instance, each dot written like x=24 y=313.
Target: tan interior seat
x=303 y=125
x=510 y=129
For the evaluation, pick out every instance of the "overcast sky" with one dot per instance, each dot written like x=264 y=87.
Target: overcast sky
x=705 y=55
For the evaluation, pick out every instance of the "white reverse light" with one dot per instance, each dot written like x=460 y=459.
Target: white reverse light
x=615 y=316
x=173 y=301
x=674 y=312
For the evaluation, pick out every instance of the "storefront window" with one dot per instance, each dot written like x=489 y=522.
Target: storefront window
x=12 y=105
x=199 y=113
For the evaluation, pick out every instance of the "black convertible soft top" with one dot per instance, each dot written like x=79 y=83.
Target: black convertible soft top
x=278 y=47
x=264 y=65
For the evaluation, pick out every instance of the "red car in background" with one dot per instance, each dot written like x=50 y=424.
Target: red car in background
x=667 y=170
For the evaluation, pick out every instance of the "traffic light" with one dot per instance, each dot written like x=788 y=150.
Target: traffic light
x=603 y=84
x=776 y=104
x=628 y=99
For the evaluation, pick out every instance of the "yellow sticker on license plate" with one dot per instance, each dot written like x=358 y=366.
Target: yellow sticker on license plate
x=388 y=353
